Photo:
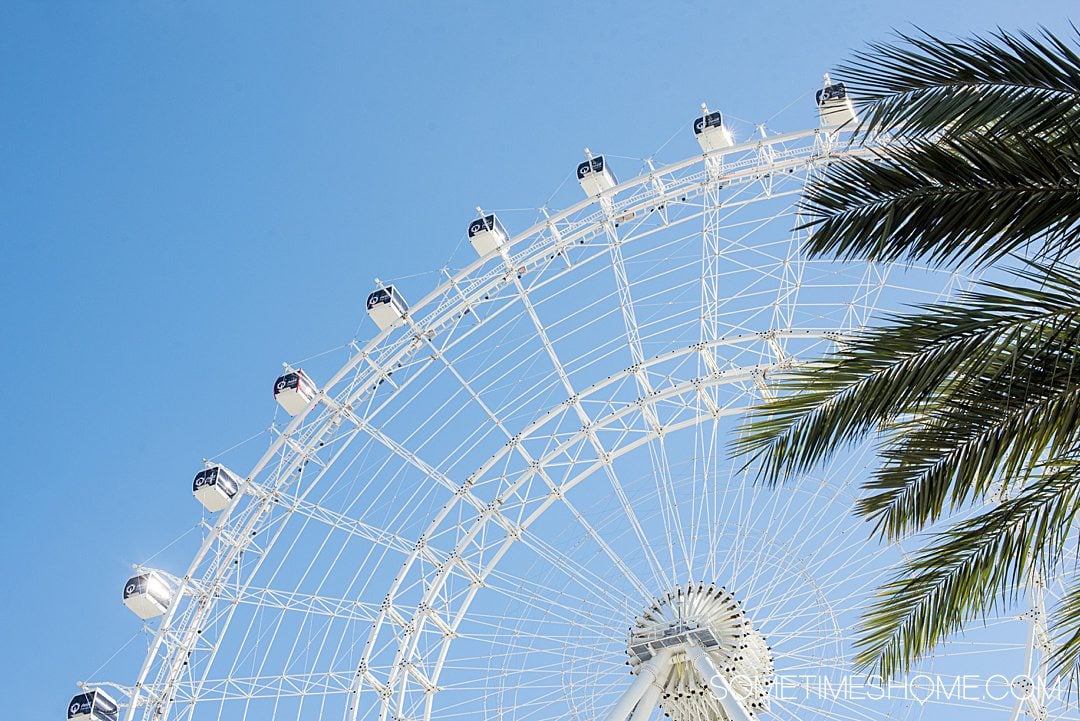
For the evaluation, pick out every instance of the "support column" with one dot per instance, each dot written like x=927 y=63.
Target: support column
x=651 y=696
x=649 y=675
x=718 y=684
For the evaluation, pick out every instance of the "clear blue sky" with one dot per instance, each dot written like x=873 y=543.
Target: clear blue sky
x=192 y=192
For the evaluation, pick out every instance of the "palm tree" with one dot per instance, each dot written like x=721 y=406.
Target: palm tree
x=973 y=404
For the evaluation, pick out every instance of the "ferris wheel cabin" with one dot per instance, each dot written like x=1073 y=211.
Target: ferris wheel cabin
x=293 y=391
x=386 y=307
x=835 y=107
x=595 y=176
x=711 y=133
x=147 y=595
x=487 y=235
x=93 y=706
x=215 y=487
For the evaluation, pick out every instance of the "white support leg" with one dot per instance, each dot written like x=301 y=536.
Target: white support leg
x=650 y=674
x=648 y=700
x=717 y=684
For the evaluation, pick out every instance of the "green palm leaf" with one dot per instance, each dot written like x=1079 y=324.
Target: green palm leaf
x=960 y=199
x=928 y=85
x=906 y=368
x=977 y=159
x=980 y=154
x=969 y=568
x=961 y=395
x=1065 y=631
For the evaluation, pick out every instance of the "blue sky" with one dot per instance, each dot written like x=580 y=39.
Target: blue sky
x=193 y=192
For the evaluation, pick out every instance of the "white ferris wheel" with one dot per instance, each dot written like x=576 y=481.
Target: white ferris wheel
x=516 y=502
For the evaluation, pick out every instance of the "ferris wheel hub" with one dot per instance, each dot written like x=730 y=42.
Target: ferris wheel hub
x=705 y=632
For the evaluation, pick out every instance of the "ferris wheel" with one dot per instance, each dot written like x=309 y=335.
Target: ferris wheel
x=516 y=501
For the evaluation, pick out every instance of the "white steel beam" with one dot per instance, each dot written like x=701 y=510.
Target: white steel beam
x=651 y=696
x=649 y=674
x=718 y=684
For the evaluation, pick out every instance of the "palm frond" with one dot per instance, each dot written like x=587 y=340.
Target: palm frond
x=978 y=159
x=1064 y=629
x=980 y=427
x=965 y=571
x=902 y=369
x=981 y=159
x=972 y=199
x=928 y=85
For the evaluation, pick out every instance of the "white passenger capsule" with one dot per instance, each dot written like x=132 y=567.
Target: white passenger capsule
x=835 y=108
x=293 y=391
x=595 y=176
x=487 y=234
x=710 y=131
x=147 y=595
x=386 y=307
x=93 y=705
x=215 y=487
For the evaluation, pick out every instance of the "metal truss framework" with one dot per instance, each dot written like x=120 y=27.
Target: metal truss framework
x=583 y=425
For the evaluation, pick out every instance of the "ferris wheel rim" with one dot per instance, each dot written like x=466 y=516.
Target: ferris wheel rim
x=827 y=138
x=363 y=353
x=445 y=289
